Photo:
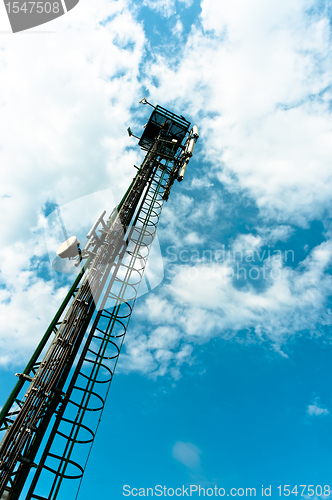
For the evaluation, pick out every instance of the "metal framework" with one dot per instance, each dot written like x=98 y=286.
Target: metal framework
x=51 y=417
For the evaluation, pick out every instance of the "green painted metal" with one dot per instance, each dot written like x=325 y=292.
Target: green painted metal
x=76 y=429
x=37 y=352
x=129 y=213
x=51 y=329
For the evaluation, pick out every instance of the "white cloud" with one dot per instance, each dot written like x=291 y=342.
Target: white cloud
x=205 y=301
x=155 y=353
x=187 y=3
x=246 y=243
x=255 y=77
x=188 y=216
x=200 y=182
x=178 y=28
x=164 y=7
x=187 y=453
x=193 y=238
x=315 y=410
x=27 y=304
x=258 y=87
x=63 y=126
x=65 y=104
x=291 y=301
x=274 y=234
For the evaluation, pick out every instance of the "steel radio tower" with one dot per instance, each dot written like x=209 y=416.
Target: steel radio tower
x=51 y=417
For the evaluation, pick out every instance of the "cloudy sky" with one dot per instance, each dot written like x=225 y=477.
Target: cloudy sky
x=225 y=376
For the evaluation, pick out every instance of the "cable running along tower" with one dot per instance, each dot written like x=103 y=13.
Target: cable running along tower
x=49 y=422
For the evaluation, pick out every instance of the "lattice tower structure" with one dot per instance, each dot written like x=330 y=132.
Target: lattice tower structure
x=51 y=417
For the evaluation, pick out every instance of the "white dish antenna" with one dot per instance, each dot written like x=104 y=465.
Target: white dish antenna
x=69 y=248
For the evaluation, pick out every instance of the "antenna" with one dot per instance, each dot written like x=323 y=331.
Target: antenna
x=50 y=419
x=144 y=101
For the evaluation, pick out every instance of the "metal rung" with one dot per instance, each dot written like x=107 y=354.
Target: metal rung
x=27 y=461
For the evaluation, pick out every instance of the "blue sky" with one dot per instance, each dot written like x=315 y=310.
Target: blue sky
x=225 y=376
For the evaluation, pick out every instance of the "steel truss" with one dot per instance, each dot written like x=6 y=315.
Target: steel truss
x=60 y=411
